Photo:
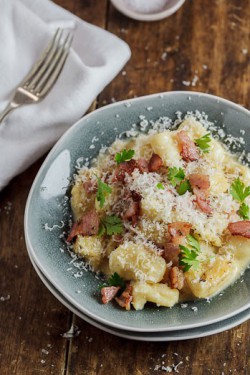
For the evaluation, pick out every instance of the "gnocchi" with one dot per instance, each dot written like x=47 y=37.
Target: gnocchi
x=133 y=262
x=158 y=293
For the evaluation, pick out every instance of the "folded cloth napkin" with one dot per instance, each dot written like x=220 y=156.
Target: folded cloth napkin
x=96 y=56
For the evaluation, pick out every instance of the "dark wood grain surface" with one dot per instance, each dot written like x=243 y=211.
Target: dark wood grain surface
x=205 y=46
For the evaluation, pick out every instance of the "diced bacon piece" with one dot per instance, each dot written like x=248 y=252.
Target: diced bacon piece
x=155 y=163
x=125 y=299
x=90 y=187
x=73 y=232
x=165 y=279
x=164 y=170
x=199 y=180
x=177 y=278
x=87 y=226
x=108 y=293
x=189 y=151
x=142 y=165
x=136 y=196
x=171 y=253
x=178 y=231
x=128 y=207
x=200 y=184
x=132 y=212
x=134 y=220
x=202 y=202
x=123 y=168
x=240 y=228
x=160 y=252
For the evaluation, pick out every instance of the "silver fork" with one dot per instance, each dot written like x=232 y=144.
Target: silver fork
x=43 y=75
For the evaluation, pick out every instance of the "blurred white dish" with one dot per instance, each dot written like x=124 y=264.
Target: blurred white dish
x=147 y=11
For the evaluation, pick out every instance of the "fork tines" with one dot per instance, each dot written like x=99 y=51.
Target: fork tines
x=46 y=70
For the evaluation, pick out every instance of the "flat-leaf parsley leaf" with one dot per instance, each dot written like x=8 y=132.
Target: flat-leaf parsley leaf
x=192 y=241
x=184 y=187
x=102 y=190
x=115 y=280
x=160 y=186
x=175 y=175
x=125 y=155
x=239 y=191
x=110 y=225
x=244 y=211
x=203 y=142
x=189 y=256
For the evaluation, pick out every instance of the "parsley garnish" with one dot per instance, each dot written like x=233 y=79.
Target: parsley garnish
x=124 y=156
x=102 y=190
x=203 y=142
x=192 y=241
x=189 y=254
x=184 y=187
x=115 y=280
x=244 y=211
x=160 y=186
x=175 y=175
x=188 y=258
x=110 y=225
x=239 y=191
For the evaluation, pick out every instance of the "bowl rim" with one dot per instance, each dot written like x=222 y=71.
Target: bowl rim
x=119 y=5
x=54 y=149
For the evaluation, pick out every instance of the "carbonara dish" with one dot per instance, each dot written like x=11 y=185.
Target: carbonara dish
x=164 y=216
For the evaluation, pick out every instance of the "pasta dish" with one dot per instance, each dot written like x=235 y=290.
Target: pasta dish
x=165 y=216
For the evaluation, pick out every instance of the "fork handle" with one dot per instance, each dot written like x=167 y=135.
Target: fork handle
x=7 y=110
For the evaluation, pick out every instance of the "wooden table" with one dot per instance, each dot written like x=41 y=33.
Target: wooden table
x=205 y=47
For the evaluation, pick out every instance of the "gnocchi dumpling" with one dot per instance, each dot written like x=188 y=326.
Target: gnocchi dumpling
x=80 y=200
x=154 y=231
x=91 y=249
x=157 y=208
x=158 y=293
x=193 y=128
x=110 y=199
x=218 y=182
x=134 y=262
x=165 y=145
x=211 y=278
x=239 y=246
x=216 y=155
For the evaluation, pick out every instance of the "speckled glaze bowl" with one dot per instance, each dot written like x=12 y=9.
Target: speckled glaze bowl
x=48 y=211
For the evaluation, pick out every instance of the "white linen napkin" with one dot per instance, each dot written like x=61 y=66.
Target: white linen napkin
x=96 y=56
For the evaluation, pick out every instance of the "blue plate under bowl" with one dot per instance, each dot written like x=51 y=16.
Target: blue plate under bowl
x=48 y=212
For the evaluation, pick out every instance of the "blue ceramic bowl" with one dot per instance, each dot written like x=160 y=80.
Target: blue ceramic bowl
x=48 y=207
